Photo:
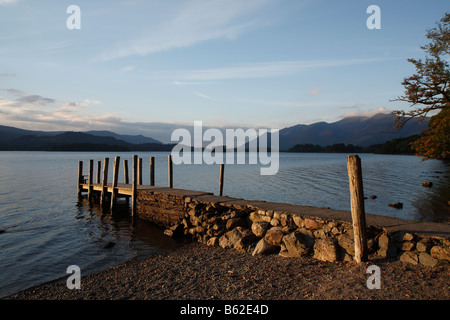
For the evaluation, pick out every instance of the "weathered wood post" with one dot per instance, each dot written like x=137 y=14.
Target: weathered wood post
x=104 y=181
x=91 y=179
x=99 y=169
x=114 y=182
x=80 y=177
x=140 y=172
x=170 y=164
x=152 y=171
x=357 y=207
x=134 y=186
x=222 y=171
x=126 y=178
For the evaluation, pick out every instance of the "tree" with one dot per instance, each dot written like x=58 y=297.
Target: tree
x=429 y=91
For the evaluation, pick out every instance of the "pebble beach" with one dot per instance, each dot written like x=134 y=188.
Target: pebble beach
x=198 y=272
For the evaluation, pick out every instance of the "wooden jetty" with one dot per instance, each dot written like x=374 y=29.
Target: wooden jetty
x=85 y=183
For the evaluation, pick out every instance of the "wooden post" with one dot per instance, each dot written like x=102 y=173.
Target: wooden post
x=99 y=168
x=126 y=178
x=357 y=207
x=91 y=179
x=152 y=171
x=134 y=185
x=222 y=169
x=105 y=180
x=140 y=172
x=170 y=171
x=80 y=177
x=114 y=182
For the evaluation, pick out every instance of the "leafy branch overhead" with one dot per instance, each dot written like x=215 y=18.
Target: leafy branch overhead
x=428 y=90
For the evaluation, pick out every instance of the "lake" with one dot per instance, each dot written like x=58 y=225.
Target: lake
x=45 y=228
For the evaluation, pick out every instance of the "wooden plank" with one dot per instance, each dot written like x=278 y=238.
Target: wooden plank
x=105 y=180
x=170 y=165
x=140 y=171
x=99 y=169
x=134 y=186
x=357 y=207
x=126 y=178
x=91 y=179
x=222 y=171
x=114 y=182
x=80 y=177
x=152 y=171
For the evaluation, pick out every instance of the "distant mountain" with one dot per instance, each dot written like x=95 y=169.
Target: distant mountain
x=359 y=131
x=137 y=139
x=19 y=139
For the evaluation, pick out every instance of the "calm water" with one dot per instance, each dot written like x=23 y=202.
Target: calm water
x=47 y=229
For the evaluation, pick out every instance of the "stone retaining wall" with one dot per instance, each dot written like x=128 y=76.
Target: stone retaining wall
x=256 y=231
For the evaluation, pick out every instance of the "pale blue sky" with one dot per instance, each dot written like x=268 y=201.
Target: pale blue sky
x=136 y=65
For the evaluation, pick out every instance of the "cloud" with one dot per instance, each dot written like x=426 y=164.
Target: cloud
x=366 y=113
x=202 y=95
x=8 y=2
x=314 y=91
x=255 y=70
x=189 y=23
x=7 y=74
x=35 y=100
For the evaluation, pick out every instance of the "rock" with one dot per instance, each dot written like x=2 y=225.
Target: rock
x=212 y=242
x=297 y=244
x=410 y=257
x=423 y=246
x=298 y=221
x=427 y=184
x=174 y=231
x=402 y=236
x=274 y=222
x=440 y=253
x=325 y=250
x=235 y=222
x=2 y=231
x=262 y=247
x=237 y=238
x=386 y=246
x=407 y=246
x=427 y=260
x=260 y=228
x=255 y=217
x=347 y=244
x=373 y=197
x=312 y=224
x=396 y=205
x=274 y=236
x=108 y=245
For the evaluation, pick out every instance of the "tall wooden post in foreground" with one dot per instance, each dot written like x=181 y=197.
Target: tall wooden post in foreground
x=99 y=168
x=134 y=185
x=357 y=207
x=152 y=171
x=170 y=164
x=222 y=171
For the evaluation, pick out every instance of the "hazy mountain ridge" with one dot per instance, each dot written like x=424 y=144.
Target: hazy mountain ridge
x=357 y=131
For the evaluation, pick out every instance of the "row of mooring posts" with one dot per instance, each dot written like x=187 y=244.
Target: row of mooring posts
x=135 y=181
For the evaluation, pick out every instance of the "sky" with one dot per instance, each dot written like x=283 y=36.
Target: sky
x=149 y=67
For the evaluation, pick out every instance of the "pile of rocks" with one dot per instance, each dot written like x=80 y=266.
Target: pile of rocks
x=256 y=231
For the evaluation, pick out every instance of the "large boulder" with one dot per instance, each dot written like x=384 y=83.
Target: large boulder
x=325 y=250
x=297 y=244
x=260 y=228
x=262 y=247
x=237 y=238
x=274 y=236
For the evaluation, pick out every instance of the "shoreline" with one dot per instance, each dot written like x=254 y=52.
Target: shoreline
x=199 y=272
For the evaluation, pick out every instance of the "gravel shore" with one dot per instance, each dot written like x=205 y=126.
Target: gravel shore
x=198 y=272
